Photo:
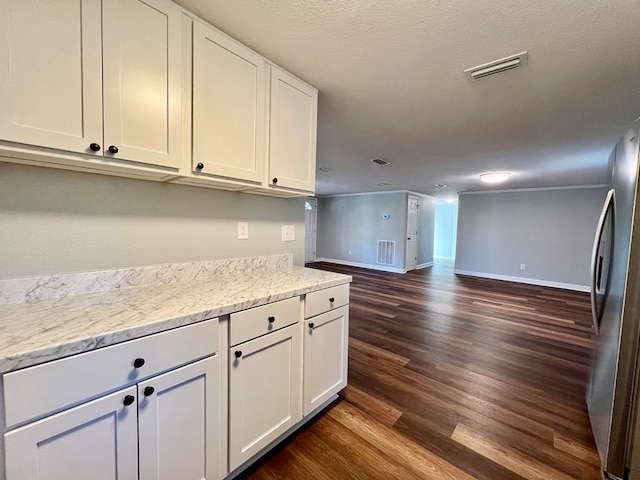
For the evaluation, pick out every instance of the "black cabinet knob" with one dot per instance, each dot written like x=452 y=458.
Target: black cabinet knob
x=272 y=319
x=95 y=147
x=138 y=362
x=113 y=149
x=275 y=180
x=331 y=299
x=238 y=353
x=128 y=400
x=200 y=166
x=311 y=325
x=148 y=391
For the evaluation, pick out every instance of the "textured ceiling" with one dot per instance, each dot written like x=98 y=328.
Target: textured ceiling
x=391 y=81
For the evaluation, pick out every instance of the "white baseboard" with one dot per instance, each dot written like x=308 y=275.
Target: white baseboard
x=528 y=281
x=383 y=268
x=424 y=265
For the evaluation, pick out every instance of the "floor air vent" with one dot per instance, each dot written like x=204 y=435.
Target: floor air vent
x=386 y=252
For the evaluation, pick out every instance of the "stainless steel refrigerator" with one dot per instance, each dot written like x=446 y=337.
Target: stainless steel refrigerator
x=612 y=391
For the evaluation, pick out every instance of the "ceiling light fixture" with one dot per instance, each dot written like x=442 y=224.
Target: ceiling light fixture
x=441 y=185
x=495 y=177
x=498 y=66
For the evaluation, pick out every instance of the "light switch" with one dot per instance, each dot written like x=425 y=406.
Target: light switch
x=288 y=233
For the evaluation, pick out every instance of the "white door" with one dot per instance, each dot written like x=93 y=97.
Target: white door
x=265 y=392
x=326 y=341
x=51 y=73
x=179 y=423
x=310 y=229
x=292 y=146
x=229 y=109
x=412 y=233
x=142 y=81
x=97 y=440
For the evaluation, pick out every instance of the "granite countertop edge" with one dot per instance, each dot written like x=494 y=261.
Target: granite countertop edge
x=21 y=351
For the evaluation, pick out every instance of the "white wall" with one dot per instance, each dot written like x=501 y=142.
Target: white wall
x=550 y=231
x=355 y=223
x=56 y=221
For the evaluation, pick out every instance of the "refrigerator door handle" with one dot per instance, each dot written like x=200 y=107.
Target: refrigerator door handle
x=597 y=259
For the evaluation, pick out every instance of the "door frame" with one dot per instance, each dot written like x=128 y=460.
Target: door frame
x=411 y=237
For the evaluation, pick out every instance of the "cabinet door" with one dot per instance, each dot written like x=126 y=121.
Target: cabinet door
x=228 y=107
x=142 y=81
x=292 y=154
x=97 y=440
x=51 y=73
x=264 y=392
x=179 y=423
x=326 y=340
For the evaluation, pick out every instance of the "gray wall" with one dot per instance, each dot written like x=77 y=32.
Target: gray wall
x=426 y=226
x=55 y=221
x=445 y=230
x=550 y=231
x=354 y=223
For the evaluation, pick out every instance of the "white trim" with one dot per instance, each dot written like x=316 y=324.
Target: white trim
x=385 y=192
x=537 y=189
x=362 y=265
x=424 y=265
x=529 y=281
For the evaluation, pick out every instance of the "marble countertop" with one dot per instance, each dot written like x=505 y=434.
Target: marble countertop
x=52 y=328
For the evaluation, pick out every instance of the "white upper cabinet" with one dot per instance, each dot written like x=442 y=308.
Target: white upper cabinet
x=293 y=125
x=51 y=73
x=73 y=70
x=142 y=80
x=229 y=91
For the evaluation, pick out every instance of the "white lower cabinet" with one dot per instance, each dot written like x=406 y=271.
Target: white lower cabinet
x=97 y=440
x=161 y=419
x=264 y=391
x=325 y=357
x=179 y=423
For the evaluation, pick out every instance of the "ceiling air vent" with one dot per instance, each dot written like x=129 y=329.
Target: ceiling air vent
x=497 y=66
x=379 y=161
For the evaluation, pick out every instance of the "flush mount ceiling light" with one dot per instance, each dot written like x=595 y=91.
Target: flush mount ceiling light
x=379 y=161
x=441 y=185
x=495 y=177
x=497 y=66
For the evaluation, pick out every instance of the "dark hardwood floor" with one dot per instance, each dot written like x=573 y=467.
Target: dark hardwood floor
x=453 y=378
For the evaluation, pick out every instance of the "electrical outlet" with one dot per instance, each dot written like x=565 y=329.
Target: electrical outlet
x=522 y=266
x=288 y=233
x=243 y=230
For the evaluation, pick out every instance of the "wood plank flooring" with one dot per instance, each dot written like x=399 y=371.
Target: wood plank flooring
x=453 y=378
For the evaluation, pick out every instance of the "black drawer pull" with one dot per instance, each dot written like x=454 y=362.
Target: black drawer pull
x=238 y=353
x=128 y=400
x=138 y=362
x=311 y=325
x=148 y=391
x=331 y=299
x=272 y=319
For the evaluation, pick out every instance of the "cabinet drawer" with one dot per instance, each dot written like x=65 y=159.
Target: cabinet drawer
x=258 y=321
x=35 y=391
x=324 y=300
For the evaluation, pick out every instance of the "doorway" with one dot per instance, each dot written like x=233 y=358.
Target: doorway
x=412 y=233
x=310 y=229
